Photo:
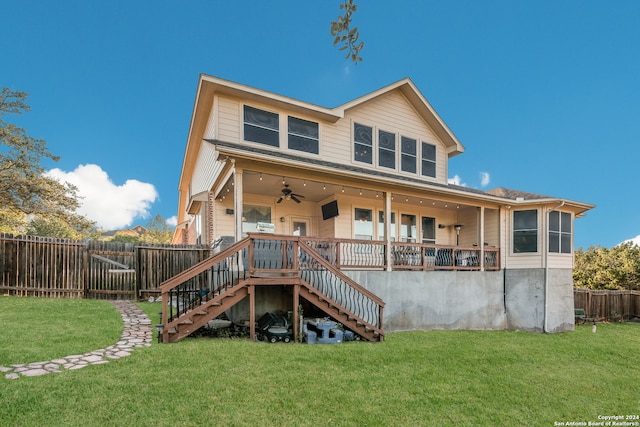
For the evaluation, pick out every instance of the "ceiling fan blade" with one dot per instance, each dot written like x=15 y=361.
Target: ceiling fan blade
x=294 y=198
x=298 y=195
x=279 y=199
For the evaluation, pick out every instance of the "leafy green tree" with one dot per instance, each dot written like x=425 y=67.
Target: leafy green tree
x=54 y=227
x=126 y=238
x=158 y=231
x=25 y=190
x=344 y=34
x=603 y=268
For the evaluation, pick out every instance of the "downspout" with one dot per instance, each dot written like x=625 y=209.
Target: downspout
x=545 y=251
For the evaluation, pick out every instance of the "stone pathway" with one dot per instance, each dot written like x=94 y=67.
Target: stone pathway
x=136 y=333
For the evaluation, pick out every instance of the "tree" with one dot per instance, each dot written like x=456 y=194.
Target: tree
x=158 y=231
x=345 y=34
x=602 y=268
x=25 y=190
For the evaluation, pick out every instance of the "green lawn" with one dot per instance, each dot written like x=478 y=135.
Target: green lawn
x=465 y=378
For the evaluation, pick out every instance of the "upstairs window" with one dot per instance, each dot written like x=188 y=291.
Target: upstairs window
x=525 y=231
x=303 y=135
x=408 y=157
x=387 y=149
x=261 y=126
x=428 y=160
x=560 y=232
x=363 y=143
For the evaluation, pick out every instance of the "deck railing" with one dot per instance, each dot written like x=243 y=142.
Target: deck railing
x=371 y=254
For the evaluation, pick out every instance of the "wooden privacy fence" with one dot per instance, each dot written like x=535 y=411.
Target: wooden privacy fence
x=60 y=268
x=607 y=304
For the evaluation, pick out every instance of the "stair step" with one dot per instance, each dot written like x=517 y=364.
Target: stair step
x=173 y=331
x=201 y=313
x=186 y=322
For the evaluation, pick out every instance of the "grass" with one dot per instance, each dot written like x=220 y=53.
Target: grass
x=38 y=329
x=465 y=378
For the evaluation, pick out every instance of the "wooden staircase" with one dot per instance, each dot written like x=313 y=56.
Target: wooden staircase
x=232 y=275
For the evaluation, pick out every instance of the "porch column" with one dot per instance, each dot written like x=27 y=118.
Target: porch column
x=252 y=312
x=237 y=202
x=482 y=238
x=387 y=229
x=296 y=317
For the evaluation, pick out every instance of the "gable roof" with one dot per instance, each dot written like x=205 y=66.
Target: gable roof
x=411 y=93
x=208 y=86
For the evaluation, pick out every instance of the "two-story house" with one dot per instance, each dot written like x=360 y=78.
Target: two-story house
x=364 y=186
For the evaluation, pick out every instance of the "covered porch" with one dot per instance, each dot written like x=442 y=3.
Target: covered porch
x=360 y=223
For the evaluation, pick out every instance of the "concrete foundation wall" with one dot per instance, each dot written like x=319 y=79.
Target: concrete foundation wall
x=418 y=300
x=469 y=300
x=492 y=300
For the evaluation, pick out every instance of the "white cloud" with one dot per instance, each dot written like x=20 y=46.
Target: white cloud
x=635 y=240
x=456 y=180
x=485 y=179
x=172 y=221
x=111 y=206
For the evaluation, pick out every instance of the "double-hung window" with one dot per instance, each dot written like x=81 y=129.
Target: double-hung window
x=560 y=232
x=386 y=149
x=362 y=143
x=525 y=231
x=261 y=126
x=408 y=154
x=428 y=160
x=303 y=135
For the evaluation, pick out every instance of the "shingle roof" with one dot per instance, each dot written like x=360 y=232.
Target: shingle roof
x=514 y=194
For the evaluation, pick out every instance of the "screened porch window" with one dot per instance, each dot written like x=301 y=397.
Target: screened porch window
x=525 y=231
x=261 y=126
x=560 y=232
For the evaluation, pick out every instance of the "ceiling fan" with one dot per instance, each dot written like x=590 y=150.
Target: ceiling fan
x=287 y=194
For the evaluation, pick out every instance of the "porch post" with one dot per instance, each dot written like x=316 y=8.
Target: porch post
x=296 y=317
x=237 y=202
x=481 y=238
x=252 y=312
x=387 y=229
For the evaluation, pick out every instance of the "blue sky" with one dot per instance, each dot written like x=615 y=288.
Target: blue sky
x=544 y=95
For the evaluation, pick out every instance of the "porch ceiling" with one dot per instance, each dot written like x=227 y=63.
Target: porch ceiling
x=315 y=191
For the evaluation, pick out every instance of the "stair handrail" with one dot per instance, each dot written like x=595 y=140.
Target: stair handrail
x=177 y=280
x=203 y=265
x=317 y=257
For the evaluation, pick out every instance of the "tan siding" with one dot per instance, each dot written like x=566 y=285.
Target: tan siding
x=223 y=224
x=393 y=113
x=560 y=260
x=210 y=131
x=229 y=120
x=492 y=227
